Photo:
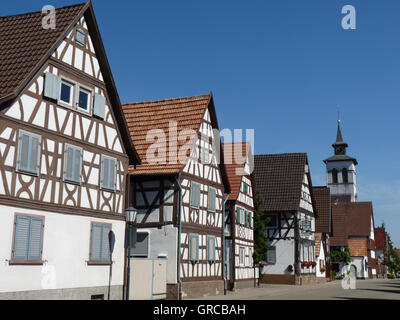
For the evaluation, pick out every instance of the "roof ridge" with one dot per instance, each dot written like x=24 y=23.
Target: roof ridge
x=36 y=12
x=195 y=97
x=281 y=154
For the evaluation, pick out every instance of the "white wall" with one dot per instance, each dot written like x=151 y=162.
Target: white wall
x=164 y=242
x=321 y=256
x=284 y=257
x=66 y=247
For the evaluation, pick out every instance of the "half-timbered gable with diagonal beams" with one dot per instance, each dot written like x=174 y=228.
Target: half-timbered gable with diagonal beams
x=185 y=126
x=284 y=182
x=78 y=114
x=239 y=234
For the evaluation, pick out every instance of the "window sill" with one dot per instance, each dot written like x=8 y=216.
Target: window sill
x=99 y=263
x=108 y=190
x=27 y=173
x=25 y=263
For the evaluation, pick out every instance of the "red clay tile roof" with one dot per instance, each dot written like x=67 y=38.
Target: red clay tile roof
x=24 y=44
x=279 y=178
x=380 y=238
x=350 y=219
x=322 y=197
x=229 y=150
x=187 y=112
x=141 y=117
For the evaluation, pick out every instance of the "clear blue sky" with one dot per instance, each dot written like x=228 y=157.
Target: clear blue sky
x=280 y=67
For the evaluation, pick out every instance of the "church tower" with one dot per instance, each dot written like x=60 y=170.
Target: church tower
x=341 y=172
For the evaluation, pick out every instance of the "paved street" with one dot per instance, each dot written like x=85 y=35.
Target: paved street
x=366 y=289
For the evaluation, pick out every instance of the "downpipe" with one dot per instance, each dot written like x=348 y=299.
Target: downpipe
x=179 y=237
x=224 y=245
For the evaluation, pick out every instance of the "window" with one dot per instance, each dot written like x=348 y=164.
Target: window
x=84 y=99
x=204 y=155
x=242 y=252
x=334 y=176
x=28 y=238
x=108 y=173
x=80 y=36
x=29 y=152
x=249 y=219
x=250 y=257
x=211 y=199
x=271 y=255
x=99 y=245
x=142 y=245
x=194 y=248
x=67 y=93
x=195 y=195
x=244 y=188
x=273 y=221
x=211 y=248
x=345 y=175
x=73 y=164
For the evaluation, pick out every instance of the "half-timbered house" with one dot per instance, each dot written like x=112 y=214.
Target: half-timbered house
x=239 y=215
x=178 y=191
x=284 y=183
x=64 y=157
x=323 y=232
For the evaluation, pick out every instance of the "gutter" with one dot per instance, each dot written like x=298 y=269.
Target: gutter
x=179 y=237
x=224 y=245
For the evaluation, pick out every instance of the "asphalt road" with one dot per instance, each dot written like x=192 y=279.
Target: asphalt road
x=365 y=289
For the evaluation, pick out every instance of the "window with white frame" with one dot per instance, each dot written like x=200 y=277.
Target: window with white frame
x=271 y=255
x=67 y=92
x=84 y=99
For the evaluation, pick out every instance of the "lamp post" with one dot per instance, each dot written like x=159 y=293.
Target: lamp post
x=130 y=241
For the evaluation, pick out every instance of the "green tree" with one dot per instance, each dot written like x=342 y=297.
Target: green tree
x=339 y=256
x=391 y=258
x=260 y=226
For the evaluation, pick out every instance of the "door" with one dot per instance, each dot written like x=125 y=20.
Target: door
x=148 y=279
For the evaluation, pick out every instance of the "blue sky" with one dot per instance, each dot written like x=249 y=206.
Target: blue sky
x=279 y=67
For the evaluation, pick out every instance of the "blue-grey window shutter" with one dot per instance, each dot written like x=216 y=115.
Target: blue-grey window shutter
x=21 y=238
x=29 y=153
x=99 y=106
x=105 y=246
x=77 y=165
x=35 y=154
x=35 y=239
x=23 y=156
x=51 y=86
x=96 y=241
x=112 y=169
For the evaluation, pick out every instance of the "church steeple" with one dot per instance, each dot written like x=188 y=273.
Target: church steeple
x=341 y=172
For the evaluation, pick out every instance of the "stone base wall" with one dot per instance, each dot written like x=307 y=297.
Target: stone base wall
x=278 y=279
x=116 y=293
x=172 y=291
x=321 y=280
x=198 y=289
x=244 y=284
x=306 y=279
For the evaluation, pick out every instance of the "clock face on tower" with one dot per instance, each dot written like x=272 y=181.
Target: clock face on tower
x=339 y=150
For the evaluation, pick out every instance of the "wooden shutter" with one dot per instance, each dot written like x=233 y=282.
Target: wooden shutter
x=73 y=164
x=271 y=255
x=108 y=173
x=194 y=248
x=52 y=85
x=237 y=215
x=29 y=153
x=21 y=238
x=211 y=248
x=195 y=195
x=142 y=245
x=35 y=239
x=105 y=245
x=99 y=106
x=95 y=249
x=77 y=165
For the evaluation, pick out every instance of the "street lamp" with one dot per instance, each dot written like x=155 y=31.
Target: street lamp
x=130 y=241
